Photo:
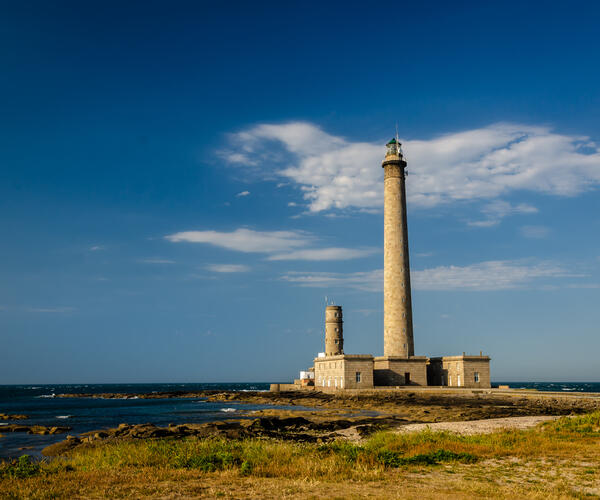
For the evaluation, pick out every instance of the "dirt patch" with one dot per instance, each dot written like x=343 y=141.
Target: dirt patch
x=480 y=426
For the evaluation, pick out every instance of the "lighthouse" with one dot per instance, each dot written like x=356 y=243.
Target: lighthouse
x=398 y=365
x=398 y=338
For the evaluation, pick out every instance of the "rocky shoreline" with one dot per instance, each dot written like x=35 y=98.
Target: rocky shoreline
x=323 y=417
x=298 y=429
x=419 y=406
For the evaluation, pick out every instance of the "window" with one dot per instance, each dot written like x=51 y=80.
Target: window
x=458 y=380
x=476 y=377
x=336 y=341
x=407 y=378
x=358 y=376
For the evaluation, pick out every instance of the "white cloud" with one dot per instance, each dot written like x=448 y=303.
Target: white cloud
x=228 y=268
x=50 y=309
x=324 y=254
x=246 y=240
x=371 y=281
x=484 y=276
x=535 y=232
x=242 y=194
x=97 y=248
x=157 y=261
x=491 y=275
x=475 y=164
x=584 y=285
x=280 y=245
x=424 y=254
x=498 y=209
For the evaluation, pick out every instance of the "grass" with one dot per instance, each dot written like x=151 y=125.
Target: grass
x=558 y=459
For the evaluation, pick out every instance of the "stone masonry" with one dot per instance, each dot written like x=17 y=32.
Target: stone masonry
x=397 y=306
x=334 y=334
x=346 y=371
x=388 y=370
x=459 y=371
x=398 y=366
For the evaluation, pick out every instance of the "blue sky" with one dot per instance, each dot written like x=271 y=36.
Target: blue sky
x=182 y=184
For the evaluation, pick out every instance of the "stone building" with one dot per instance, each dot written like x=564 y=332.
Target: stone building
x=459 y=371
x=344 y=371
x=398 y=366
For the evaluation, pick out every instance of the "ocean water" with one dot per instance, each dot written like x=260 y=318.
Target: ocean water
x=554 y=386
x=86 y=414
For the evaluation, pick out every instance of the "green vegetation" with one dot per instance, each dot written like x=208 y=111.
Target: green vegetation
x=135 y=467
x=23 y=467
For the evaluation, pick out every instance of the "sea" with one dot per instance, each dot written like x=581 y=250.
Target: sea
x=42 y=406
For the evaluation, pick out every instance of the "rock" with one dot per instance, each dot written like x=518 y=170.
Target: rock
x=39 y=429
x=57 y=429
x=15 y=428
x=4 y=416
x=35 y=429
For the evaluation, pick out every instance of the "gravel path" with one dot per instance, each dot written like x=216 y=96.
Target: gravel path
x=480 y=426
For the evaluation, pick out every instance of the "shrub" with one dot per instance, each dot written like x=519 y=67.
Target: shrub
x=21 y=468
x=394 y=459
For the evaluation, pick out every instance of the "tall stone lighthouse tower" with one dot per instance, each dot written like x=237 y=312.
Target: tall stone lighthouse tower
x=397 y=305
x=398 y=365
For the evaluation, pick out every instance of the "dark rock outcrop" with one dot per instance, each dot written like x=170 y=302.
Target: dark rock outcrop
x=35 y=429
x=4 y=416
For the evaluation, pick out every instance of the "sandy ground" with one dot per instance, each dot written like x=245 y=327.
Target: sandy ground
x=480 y=426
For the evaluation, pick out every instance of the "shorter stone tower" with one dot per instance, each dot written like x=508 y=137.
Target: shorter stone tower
x=334 y=331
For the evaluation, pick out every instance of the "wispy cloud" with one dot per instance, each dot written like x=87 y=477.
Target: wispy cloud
x=278 y=245
x=50 y=309
x=477 y=164
x=592 y=286
x=227 y=268
x=483 y=276
x=243 y=193
x=424 y=254
x=96 y=248
x=535 y=232
x=157 y=261
x=324 y=254
x=371 y=281
x=498 y=209
x=246 y=240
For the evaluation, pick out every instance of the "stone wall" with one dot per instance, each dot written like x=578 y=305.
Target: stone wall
x=340 y=371
x=460 y=371
x=391 y=371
